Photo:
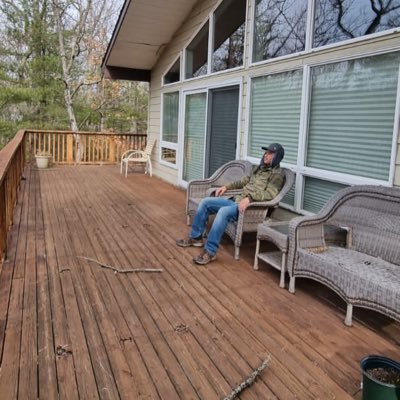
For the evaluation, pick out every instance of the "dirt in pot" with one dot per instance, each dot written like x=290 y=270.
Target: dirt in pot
x=385 y=375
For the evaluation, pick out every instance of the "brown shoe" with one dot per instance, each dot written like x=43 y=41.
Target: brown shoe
x=190 y=242
x=204 y=258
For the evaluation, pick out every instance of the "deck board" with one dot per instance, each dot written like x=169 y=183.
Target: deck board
x=70 y=329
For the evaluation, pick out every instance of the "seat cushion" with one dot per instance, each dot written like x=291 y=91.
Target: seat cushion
x=358 y=277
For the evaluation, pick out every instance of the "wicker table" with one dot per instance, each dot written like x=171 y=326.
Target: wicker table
x=276 y=233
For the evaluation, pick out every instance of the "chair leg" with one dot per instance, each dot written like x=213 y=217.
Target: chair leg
x=121 y=168
x=237 y=249
x=283 y=270
x=255 y=265
x=150 y=168
x=292 y=284
x=188 y=220
x=126 y=169
x=349 y=315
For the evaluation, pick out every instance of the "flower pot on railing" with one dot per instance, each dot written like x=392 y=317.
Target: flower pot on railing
x=42 y=160
x=380 y=378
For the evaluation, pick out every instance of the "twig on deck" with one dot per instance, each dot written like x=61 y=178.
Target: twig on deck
x=249 y=381
x=121 y=271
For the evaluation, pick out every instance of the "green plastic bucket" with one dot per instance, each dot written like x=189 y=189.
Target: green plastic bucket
x=372 y=388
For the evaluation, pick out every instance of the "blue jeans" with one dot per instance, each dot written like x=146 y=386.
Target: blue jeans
x=226 y=210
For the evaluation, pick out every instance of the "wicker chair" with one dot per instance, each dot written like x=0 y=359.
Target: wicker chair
x=365 y=268
x=138 y=157
x=198 y=189
x=255 y=213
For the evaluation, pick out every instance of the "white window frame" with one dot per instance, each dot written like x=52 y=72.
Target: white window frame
x=300 y=169
x=163 y=143
x=195 y=89
x=309 y=38
x=181 y=136
x=167 y=85
x=210 y=20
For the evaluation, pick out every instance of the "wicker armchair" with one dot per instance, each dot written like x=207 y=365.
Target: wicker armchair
x=255 y=213
x=365 y=268
x=198 y=189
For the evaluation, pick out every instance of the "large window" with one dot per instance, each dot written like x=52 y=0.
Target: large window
x=227 y=43
x=279 y=28
x=229 y=29
x=352 y=115
x=197 y=54
x=170 y=118
x=348 y=19
x=349 y=123
x=275 y=113
x=174 y=73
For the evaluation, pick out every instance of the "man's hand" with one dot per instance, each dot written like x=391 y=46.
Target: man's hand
x=220 y=191
x=244 y=204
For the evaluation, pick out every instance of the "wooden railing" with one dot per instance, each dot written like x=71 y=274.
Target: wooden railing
x=12 y=162
x=94 y=148
x=84 y=147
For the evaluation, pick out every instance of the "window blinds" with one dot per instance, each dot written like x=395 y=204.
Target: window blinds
x=352 y=114
x=170 y=117
x=275 y=113
x=195 y=124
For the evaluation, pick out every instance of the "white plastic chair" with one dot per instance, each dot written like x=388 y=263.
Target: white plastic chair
x=138 y=156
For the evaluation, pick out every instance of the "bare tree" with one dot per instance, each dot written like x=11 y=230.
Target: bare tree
x=338 y=20
x=78 y=23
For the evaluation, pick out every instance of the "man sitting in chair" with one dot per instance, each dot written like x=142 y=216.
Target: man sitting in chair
x=263 y=184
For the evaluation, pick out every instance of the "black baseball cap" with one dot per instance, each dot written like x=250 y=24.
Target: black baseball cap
x=272 y=147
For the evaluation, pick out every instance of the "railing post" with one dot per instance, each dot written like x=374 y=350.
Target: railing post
x=70 y=148
x=111 y=157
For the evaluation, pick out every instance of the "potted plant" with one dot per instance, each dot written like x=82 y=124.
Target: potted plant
x=380 y=378
x=42 y=159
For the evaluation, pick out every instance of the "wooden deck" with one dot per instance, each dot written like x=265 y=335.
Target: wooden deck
x=70 y=329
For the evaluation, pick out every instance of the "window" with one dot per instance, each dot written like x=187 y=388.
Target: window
x=229 y=29
x=348 y=124
x=197 y=54
x=279 y=28
x=275 y=113
x=317 y=192
x=170 y=118
x=195 y=127
x=348 y=19
x=352 y=115
x=174 y=73
x=168 y=155
x=227 y=44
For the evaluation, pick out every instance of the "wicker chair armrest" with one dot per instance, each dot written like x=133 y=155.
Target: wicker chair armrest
x=304 y=232
x=312 y=232
x=228 y=194
x=198 y=188
x=263 y=204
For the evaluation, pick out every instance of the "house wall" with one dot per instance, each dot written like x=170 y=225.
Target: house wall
x=397 y=172
x=192 y=25
x=200 y=13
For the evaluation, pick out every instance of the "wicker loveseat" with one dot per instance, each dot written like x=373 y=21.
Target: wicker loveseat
x=365 y=269
x=255 y=213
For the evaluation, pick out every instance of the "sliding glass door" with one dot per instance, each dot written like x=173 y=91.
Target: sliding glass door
x=210 y=131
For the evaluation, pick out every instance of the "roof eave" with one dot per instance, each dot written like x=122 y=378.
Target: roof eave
x=128 y=74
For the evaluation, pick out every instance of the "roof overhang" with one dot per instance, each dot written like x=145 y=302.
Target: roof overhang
x=144 y=28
